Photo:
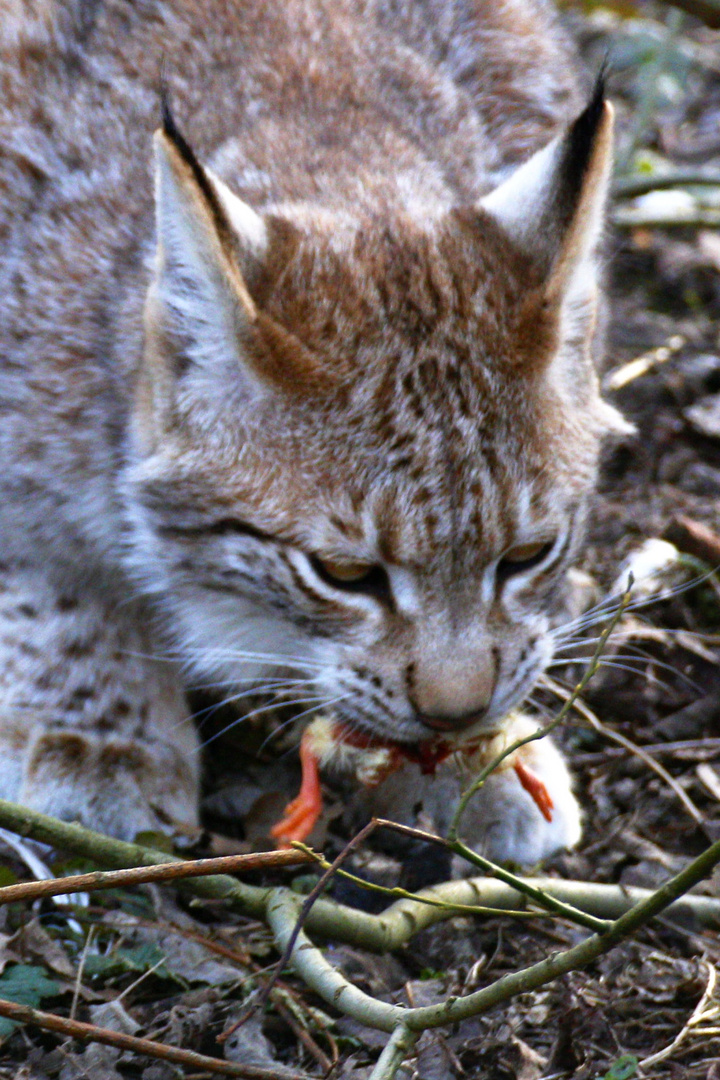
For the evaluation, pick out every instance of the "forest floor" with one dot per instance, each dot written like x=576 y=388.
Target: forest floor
x=139 y=961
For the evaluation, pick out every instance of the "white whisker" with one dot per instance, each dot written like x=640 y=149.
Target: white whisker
x=638 y=656
x=253 y=691
x=641 y=672
x=607 y=607
x=182 y=657
x=320 y=701
x=266 y=681
x=316 y=708
x=539 y=705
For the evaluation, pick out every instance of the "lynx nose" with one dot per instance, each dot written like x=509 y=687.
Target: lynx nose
x=455 y=723
x=452 y=694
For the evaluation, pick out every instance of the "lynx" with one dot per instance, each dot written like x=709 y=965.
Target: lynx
x=297 y=393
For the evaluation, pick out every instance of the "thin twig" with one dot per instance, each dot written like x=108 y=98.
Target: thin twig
x=660 y=770
x=631 y=217
x=629 y=187
x=682 y=749
x=322 y=977
x=390 y=930
x=399 y=1047
x=242 y=960
x=398 y=893
x=279 y=994
x=522 y=885
x=698 y=1014
x=542 y=732
x=648 y=361
x=310 y=899
x=81 y=967
x=141 y=979
x=141 y=875
x=76 y=1029
x=301 y=1033
x=319 y=974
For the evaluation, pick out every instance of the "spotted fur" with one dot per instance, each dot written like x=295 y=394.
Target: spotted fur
x=358 y=329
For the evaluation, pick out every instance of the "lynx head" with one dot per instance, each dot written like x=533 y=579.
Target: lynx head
x=363 y=448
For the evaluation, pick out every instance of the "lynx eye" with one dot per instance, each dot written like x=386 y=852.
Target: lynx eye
x=523 y=557
x=345 y=573
x=352 y=575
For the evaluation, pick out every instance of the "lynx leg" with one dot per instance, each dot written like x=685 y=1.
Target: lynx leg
x=92 y=728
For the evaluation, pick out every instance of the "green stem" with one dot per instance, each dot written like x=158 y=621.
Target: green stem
x=398 y=893
x=283 y=911
x=522 y=885
x=400 y=1046
x=542 y=732
x=320 y=976
x=397 y=925
x=117 y=854
x=579 y=956
x=539 y=896
x=390 y=930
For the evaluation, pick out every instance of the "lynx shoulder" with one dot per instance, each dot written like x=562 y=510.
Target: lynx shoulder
x=297 y=394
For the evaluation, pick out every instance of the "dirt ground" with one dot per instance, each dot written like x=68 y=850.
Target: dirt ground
x=138 y=962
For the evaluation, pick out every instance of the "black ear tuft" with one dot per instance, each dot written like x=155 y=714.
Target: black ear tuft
x=582 y=132
x=186 y=152
x=177 y=138
x=578 y=150
x=168 y=120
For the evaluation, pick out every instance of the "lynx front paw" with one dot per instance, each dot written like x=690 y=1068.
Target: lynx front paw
x=117 y=786
x=92 y=728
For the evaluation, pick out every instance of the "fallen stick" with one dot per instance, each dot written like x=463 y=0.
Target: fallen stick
x=76 y=1029
x=640 y=218
x=331 y=985
x=389 y=930
x=143 y=875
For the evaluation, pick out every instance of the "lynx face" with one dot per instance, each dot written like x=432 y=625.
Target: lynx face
x=363 y=448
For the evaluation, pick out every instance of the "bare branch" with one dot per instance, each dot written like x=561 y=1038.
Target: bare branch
x=337 y=991
x=630 y=217
x=629 y=187
x=76 y=1029
x=527 y=888
x=143 y=875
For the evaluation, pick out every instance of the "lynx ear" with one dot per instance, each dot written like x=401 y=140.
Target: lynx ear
x=552 y=206
x=199 y=314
